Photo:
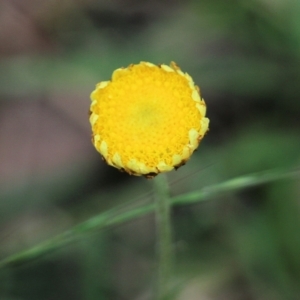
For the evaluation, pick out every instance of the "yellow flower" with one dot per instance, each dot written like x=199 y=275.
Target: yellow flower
x=148 y=119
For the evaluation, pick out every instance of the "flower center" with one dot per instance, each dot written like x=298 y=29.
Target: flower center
x=145 y=116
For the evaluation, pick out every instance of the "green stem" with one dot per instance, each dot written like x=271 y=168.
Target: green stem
x=164 y=235
x=118 y=216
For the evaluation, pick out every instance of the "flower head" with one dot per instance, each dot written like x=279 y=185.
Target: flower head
x=148 y=119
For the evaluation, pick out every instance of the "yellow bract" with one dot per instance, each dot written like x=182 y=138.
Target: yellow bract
x=148 y=119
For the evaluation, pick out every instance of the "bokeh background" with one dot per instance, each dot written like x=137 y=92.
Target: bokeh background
x=244 y=55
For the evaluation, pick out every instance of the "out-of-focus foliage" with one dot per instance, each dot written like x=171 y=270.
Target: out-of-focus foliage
x=245 y=56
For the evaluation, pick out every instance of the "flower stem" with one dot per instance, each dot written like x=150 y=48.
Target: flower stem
x=164 y=235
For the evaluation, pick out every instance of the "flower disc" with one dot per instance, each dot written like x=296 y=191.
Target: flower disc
x=148 y=119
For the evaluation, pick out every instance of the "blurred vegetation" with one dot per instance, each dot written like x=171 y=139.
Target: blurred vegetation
x=241 y=244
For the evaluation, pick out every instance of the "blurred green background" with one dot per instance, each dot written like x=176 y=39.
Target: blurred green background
x=244 y=55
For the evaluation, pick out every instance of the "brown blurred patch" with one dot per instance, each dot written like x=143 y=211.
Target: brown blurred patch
x=19 y=32
x=40 y=137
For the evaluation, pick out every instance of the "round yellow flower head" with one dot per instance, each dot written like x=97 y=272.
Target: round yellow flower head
x=148 y=119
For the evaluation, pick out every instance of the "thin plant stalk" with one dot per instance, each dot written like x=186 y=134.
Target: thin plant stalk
x=117 y=216
x=164 y=236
